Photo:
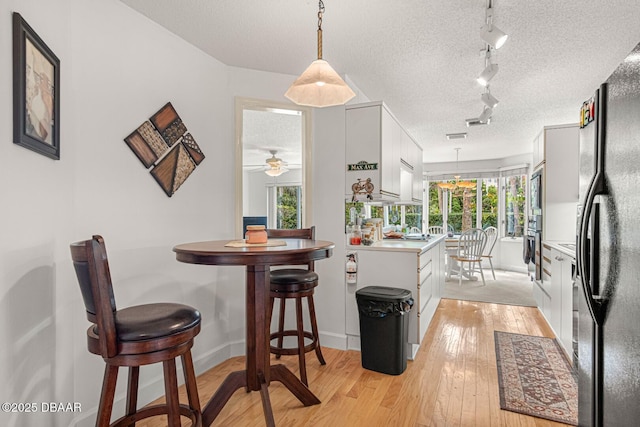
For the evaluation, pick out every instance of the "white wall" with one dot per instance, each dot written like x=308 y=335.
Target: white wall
x=118 y=68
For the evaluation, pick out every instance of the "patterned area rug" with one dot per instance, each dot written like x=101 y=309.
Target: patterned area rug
x=535 y=378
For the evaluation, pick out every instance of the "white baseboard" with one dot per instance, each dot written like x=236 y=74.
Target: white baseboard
x=331 y=340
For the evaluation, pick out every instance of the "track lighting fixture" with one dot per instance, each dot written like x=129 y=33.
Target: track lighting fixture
x=489 y=100
x=485 y=116
x=491 y=34
x=487 y=74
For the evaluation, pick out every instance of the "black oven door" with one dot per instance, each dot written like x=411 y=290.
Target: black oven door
x=532 y=252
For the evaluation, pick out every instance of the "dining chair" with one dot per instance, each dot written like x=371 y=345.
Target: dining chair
x=133 y=337
x=295 y=283
x=436 y=229
x=470 y=247
x=492 y=237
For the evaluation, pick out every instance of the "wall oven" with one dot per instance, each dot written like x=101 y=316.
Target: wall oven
x=533 y=239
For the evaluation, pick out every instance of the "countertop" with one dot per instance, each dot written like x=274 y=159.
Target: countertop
x=558 y=245
x=400 y=245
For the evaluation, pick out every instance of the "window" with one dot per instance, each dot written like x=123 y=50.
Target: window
x=498 y=200
x=463 y=207
x=490 y=203
x=458 y=205
x=435 y=203
x=284 y=206
x=398 y=215
x=514 y=204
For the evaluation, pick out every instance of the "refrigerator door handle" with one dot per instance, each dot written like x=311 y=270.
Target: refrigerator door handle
x=597 y=186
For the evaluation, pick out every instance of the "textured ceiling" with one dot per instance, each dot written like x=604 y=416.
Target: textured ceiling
x=421 y=57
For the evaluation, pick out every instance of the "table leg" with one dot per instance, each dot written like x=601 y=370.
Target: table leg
x=296 y=387
x=233 y=382
x=259 y=372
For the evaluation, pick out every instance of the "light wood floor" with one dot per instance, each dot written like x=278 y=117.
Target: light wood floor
x=452 y=382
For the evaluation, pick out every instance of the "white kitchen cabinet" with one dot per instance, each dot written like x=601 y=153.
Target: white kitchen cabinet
x=380 y=155
x=417 y=193
x=562 y=265
x=416 y=266
x=556 y=153
x=552 y=264
x=554 y=294
x=538 y=151
x=373 y=148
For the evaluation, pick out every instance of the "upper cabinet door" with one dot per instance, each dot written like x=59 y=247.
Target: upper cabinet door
x=372 y=153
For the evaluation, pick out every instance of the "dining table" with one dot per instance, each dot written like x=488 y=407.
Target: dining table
x=257 y=259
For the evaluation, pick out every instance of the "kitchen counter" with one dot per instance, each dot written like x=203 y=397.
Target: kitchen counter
x=567 y=248
x=414 y=265
x=401 y=245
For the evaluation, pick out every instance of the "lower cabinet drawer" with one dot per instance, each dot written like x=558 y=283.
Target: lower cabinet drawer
x=425 y=289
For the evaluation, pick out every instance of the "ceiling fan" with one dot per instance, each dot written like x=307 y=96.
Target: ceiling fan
x=275 y=166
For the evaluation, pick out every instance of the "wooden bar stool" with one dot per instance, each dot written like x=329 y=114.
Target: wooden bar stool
x=135 y=336
x=295 y=283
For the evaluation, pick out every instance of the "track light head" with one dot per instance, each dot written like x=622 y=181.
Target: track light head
x=489 y=100
x=493 y=36
x=487 y=74
x=485 y=116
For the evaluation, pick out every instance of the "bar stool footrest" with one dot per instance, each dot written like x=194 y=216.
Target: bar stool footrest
x=288 y=351
x=157 y=410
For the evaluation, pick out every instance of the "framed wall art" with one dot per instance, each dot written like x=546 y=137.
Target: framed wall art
x=166 y=148
x=36 y=92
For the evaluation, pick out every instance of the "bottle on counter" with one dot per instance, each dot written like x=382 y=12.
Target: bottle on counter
x=355 y=237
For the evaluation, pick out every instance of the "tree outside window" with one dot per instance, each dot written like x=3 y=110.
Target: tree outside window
x=462 y=206
x=515 y=203
x=288 y=203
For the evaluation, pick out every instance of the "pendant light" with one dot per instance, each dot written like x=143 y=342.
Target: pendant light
x=319 y=85
x=458 y=184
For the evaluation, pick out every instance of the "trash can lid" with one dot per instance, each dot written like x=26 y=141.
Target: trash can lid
x=383 y=293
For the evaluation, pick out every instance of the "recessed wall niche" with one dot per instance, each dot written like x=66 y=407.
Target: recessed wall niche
x=166 y=149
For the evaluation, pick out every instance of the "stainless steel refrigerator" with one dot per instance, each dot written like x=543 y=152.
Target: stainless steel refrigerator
x=608 y=251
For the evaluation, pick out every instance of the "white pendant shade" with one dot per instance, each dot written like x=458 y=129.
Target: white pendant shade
x=319 y=86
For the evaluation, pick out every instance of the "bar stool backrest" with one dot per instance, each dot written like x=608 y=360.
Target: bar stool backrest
x=295 y=233
x=92 y=268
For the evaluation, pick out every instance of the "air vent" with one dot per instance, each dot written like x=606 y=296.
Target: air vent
x=461 y=135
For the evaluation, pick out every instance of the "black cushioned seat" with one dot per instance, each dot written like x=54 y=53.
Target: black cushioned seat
x=149 y=321
x=288 y=276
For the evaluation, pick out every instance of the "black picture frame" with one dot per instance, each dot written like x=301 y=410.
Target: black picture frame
x=36 y=92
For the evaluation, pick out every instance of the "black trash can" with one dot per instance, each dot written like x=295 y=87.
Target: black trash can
x=384 y=328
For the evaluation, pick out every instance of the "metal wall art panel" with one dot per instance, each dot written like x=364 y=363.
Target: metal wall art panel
x=151 y=142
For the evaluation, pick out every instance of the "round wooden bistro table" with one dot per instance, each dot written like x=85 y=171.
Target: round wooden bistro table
x=257 y=259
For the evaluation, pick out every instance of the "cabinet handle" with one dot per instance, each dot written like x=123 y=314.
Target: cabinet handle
x=559 y=258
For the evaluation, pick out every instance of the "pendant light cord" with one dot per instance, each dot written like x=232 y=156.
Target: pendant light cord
x=320 y=12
